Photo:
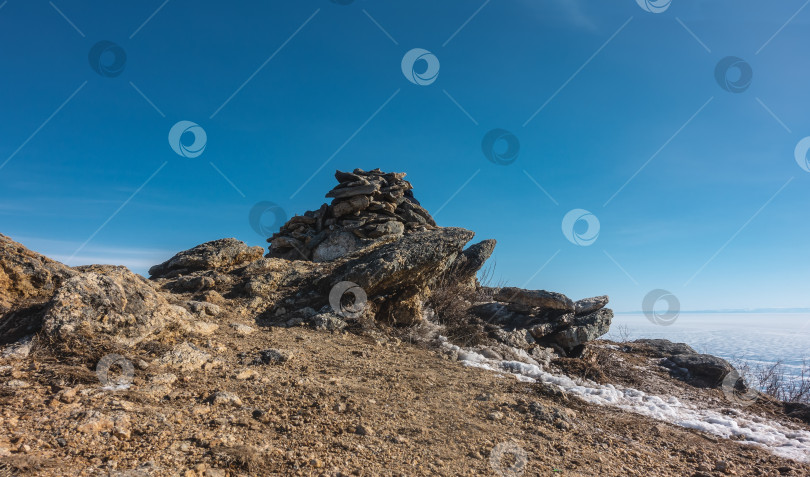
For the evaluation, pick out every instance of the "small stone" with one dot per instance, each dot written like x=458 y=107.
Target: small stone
x=247 y=374
x=185 y=357
x=224 y=398
x=495 y=416
x=296 y=321
x=212 y=296
x=94 y=422
x=165 y=378
x=272 y=356
x=363 y=430
x=243 y=330
x=204 y=308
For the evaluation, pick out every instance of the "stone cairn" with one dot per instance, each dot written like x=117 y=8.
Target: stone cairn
x=366 y=207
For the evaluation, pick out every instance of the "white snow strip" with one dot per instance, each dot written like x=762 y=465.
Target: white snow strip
x=756 y=430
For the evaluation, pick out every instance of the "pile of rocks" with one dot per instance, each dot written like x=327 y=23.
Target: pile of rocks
x=366 y=207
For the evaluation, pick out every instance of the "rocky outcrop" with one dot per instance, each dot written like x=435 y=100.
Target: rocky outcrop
x=398 y=275
x=223 y=254
x=26 y=276
x=109 y=306
x=27 y=281
x=373 y=242
x=549 y=317
x=535 y=301
x=466 y=265
x=367 y=208
x=582 y=329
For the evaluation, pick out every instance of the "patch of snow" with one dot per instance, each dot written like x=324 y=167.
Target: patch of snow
x=755 y=430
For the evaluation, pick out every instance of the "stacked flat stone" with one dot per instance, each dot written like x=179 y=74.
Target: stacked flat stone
x=366 y=207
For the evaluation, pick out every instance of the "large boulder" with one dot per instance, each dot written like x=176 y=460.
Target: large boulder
x=701 y=370
x=108 y=306
x=227 y=253
x=27 y=277
x=704 y=370
x=398 y=275
x=27 y=281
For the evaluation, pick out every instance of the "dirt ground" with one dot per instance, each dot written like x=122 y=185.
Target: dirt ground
x=331 y=404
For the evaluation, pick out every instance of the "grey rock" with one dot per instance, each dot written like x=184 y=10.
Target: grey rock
x=224 y=253
x=559 y=417
x=583 y=329
x=335 y=246
x=541 y=299
x=350 y=206
x=466 y=265
x=204 y=308
x=798 y=410
x=111 y=304
x=28 y=280
x=242 y=329
x=665 y=348
x=19 y=349
x=272 y=356
x=328 y=321
x=192 y=284
x=185 y=357
x=589 y=305
x=353 y=191
x=520 y=338
x=704 y=369
x=401 y=272
x=388 y=228
x=224 y=398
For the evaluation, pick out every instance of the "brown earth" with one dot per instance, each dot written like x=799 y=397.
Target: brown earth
x=342 y=404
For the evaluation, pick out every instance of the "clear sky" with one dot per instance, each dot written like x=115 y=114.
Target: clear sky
x=610 y=108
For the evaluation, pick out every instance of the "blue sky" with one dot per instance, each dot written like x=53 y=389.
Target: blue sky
x=617 y=111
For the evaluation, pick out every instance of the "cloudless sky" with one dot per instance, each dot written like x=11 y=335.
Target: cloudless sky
x=596 y=93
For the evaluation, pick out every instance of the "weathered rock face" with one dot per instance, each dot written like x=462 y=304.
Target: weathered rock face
x=402 y=272
x=589 y=305
x=367 y=207
x=466 y=265
x=549 y=317
x=535 y=300
x=225 y=253
x=26 y=276
x=27 y=281
x=583 y=329
x=109 y=306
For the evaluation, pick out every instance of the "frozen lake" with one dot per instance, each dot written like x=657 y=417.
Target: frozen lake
x=753 y=337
